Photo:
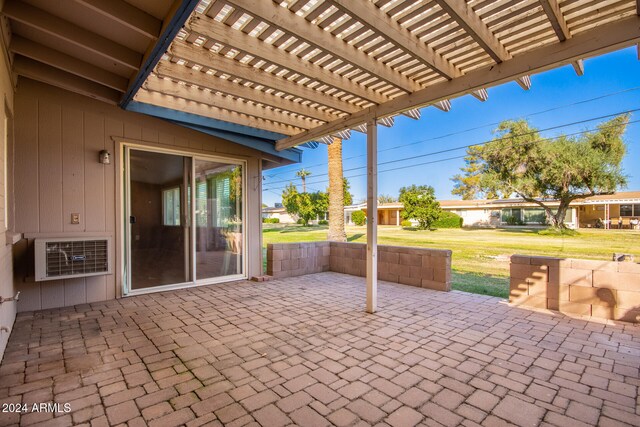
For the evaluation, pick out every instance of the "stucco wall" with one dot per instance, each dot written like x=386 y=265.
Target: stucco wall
x=7 y=309
x=58 y=137
x=601 y=289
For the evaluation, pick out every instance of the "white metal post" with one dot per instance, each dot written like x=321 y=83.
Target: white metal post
x=372 y=216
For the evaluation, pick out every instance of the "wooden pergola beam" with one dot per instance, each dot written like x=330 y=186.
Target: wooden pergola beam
x=272 y=13
x=466 y=18
x=603 y=39
x=554 y=14
x=54 y=58
x=378 y=21
x=71 y=33
x=188 y=75
x=156 y=84
x=221 y=33
x=55 y=77
x=187 y=106
x=129 y=16
x=204 y=57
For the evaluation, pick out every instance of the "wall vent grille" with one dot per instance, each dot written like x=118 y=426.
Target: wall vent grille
x=72 y=257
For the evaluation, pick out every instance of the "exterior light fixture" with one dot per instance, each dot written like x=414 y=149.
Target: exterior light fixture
x=105 y=157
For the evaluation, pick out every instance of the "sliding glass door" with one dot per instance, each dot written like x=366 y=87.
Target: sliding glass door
x=183 y=219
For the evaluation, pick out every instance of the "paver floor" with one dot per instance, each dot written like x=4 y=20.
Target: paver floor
x=302 y=351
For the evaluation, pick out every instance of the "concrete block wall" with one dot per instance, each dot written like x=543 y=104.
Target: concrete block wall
x=296 y=259
x=601 y=289
x=427 y=268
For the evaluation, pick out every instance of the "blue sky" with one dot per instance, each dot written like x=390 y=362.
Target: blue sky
x=615 y=78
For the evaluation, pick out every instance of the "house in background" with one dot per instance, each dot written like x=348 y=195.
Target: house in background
x=279 y=213
x=584 y=213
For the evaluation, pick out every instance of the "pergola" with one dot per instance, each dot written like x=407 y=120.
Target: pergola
x=299 y=71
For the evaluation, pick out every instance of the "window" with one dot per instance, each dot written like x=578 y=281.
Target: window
x=636 y=210
x=626 y=210
x=512 y=216
x=171 y=206
x=535 y=216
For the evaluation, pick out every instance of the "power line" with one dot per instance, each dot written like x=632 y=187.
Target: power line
x=584 y=101
x=450 y=158
x=484 y=142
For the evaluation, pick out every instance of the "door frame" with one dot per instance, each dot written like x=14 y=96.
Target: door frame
x=124 y=230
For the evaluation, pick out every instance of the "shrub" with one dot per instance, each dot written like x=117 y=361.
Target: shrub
x=271 y=220
x=406 y=223
x=448 y=220
x=300 y=221
x=358 y=217
x=512 y=220
x=323 y=222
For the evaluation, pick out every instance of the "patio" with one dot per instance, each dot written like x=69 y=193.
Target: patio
x=302 y=351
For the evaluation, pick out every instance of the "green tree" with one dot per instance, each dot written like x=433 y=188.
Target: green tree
x=519 y=161
x=304 y=206
x=303 y=174
x=348 y=197
x=420 y=204
x=467 y=185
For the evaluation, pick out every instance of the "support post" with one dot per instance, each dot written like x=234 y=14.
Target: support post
x=398 y=217
x=372 y=216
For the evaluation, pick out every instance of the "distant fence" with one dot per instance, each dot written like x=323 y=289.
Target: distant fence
x=602 y=289
x=427 y=268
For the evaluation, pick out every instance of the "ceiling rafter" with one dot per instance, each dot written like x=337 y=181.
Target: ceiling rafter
x=71 y=33
x=46 y=55
x=198 y=55
x=554 y=14
x=299 y=27
x=55 y=77
x=127 y=15
x=379 y=22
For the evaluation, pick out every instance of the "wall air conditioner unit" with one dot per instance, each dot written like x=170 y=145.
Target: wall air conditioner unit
x=64 y=258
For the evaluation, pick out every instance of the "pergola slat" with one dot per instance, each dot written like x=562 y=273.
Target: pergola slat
x=188 y=75
x=220 y=33
x=378 y=21
x=552 y=9
x=156 y=84
x=603 y=39
x=473 y=25
x=206 y=58
x=187 y=106
x=275 y=15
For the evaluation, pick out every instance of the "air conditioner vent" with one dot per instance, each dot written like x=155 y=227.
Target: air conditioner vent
x=72 y=257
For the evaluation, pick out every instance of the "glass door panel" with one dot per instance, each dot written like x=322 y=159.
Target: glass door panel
x=218 y=219
x=159 y=223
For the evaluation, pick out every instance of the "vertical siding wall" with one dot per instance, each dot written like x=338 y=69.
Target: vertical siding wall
x=7 y=309
x=58 y=137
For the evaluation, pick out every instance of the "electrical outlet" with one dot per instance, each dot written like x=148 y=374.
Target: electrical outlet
x=75 y=218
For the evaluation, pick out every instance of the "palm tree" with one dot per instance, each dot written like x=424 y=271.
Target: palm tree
x=303 y=174
x=336 y=192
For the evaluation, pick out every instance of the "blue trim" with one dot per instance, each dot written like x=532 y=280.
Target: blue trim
x=175 y=24
x=267 y=147
x=257 y=139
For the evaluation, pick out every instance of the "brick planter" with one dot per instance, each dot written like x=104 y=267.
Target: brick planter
x=601 y=289
x=427 y=268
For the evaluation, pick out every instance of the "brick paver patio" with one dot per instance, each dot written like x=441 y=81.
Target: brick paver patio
x=302 y=351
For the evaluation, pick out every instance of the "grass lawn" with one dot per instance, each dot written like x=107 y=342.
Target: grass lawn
x=480 y=256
